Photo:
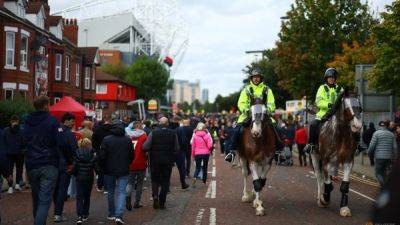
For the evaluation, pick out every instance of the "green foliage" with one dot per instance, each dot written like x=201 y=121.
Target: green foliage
x=226 y=103
x=184 y=106
x=386 y=73
x=119 y=70
x=267 y=67
x=18 y=106
x=312 y=35
x=150 y=77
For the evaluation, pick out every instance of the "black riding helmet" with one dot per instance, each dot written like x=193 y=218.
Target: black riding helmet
x=331 y=72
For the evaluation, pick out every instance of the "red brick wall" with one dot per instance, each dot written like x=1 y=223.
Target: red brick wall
x=71 y=30
x=16 y=76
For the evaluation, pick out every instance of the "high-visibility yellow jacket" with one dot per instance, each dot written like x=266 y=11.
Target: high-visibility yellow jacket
x=256 y=91
x=326 y=96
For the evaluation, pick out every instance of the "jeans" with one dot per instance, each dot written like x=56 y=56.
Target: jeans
x=302 y=154
x=199 y=159
x=180 y=163
x=135 y=181
x=188 y=159
x=83 y=191
x=160 y=176
x=100 y=181
x=60 y=193
x=382 y=169
x=18 y=161
x=43 y=181
x=118 y=184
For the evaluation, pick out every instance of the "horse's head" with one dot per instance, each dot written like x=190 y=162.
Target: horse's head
x=352 y=112
x=258 y=114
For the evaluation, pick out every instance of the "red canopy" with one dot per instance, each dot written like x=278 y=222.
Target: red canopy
x=68 y=104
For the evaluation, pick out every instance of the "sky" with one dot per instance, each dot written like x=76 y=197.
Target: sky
x=220 y=32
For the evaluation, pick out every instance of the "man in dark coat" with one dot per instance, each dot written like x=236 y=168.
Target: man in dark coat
x=42 y=137
x=162 y=145
x=99 y=133
x=69 y=144
x=180 y=156
x=116 y=154
x=14 y=145
x=188 y=132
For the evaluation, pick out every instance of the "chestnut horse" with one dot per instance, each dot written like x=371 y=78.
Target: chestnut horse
x=337 y=146
x=256 y=152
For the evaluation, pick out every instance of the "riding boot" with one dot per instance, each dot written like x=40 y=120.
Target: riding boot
x=278 y=140
x=313 y=137
x=237 y=133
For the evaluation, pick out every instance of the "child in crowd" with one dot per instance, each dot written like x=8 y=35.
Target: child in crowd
x=84 y=167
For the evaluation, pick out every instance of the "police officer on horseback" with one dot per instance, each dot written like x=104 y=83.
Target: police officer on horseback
x=326 y=96
x=256 y=88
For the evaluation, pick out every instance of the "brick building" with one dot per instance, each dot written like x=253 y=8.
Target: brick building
x=39 y=54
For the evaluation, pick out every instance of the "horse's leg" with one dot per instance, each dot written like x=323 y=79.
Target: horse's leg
x=256 y=170
x=328 y=187
x=316 y=160
x=247 y=195
x=344 y=188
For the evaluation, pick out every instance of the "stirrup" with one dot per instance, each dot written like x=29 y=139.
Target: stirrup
x=230 y=157
x=310 y=148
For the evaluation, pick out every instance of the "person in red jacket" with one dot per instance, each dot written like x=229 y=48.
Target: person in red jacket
x=137 y=169
x=301 y=141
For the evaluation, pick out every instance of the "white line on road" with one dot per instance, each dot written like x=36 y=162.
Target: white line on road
x=213 y=161
x=214 y=172
x=199 y=216
x=211 y=191
x=355 y=192
x=213 y=216
x=362 y=195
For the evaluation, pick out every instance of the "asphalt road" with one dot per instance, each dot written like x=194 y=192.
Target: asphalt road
x=289 y=198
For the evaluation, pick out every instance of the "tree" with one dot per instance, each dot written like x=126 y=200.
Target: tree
x=386 y=73
x=119 y=70
x=184 y=106
x=312 y=35
x=150 y=77
x=352 y=55
x=18 y=106
x=267 y=67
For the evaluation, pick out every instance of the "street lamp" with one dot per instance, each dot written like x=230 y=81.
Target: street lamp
x=118 y=94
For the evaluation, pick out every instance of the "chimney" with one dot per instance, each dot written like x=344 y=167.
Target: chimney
x=71 y=30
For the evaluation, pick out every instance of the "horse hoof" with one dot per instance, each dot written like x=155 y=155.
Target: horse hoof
x=260 y=211
x=345 y=212
x=322 y=203
x=246 y=199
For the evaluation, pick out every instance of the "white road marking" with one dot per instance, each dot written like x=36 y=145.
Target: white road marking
x=362 y=195
x=355 y=192
x=199 y=217
x=213 y=161
x=211 y=191
x=213 y=216
x=214 y=172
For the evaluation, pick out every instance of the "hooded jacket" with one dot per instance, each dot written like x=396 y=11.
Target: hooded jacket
x=140 y=162
x=67 y=143
x=99 y=134
x=41 y=134
x=116 y=152
x=201 y=143
x=13 y=140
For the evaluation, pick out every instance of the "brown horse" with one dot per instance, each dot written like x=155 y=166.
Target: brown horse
x=337 y=146
x=256 y=152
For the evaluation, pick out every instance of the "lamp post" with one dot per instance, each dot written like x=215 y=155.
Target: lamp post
x=118 y=94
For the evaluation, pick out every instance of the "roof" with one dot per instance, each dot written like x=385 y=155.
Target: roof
x=101 y=76
x=53 y=21
x=89 y=53
x=33 y=7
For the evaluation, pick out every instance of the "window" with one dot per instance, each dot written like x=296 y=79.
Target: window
x=101 y=89
x=23 y=94
x=40 y=21
x=67 y=69
x=8 y=94
x=24 y=53
x=21 y=9
x=56 y=100
x=77 y=73
x=10 y=49
x=94 y=81
x=87 y=78
x=58 y=66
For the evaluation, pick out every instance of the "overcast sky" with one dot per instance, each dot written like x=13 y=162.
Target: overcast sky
x=220 y=31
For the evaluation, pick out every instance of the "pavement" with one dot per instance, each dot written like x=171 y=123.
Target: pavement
x=289 y=198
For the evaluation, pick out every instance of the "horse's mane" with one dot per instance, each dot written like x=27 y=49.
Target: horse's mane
x=336 y=106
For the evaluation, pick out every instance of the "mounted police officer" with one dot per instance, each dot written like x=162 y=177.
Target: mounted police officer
x=326 y=96
x=256 y=88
